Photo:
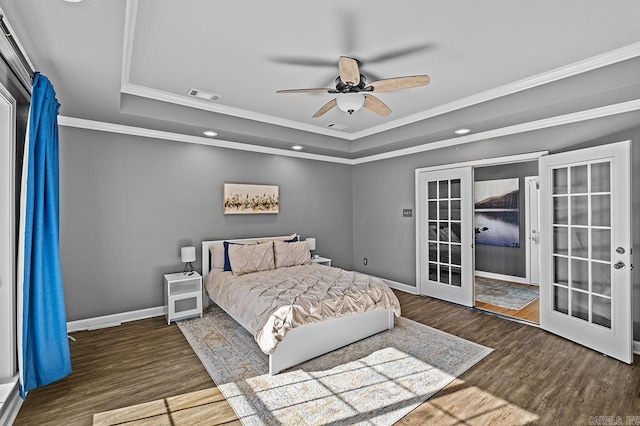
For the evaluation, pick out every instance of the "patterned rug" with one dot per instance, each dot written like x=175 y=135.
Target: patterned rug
x=376 y=381
x=498 y=293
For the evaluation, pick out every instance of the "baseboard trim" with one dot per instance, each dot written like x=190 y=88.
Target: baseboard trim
x=11 y=406
x=400 y=286
x=114 y=319
x=14 y=402
x=501 y=277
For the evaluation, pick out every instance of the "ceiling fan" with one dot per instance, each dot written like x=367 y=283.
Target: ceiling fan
x=354 y=92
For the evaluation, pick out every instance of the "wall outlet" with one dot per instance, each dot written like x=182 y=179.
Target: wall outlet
x=365 y=261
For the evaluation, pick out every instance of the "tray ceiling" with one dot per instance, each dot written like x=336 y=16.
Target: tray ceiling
x=493 y=64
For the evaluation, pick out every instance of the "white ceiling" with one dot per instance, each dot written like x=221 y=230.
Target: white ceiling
x=494 y=64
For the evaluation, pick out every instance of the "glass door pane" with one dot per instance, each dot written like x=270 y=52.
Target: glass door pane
x=581 y=221
x=444 y=224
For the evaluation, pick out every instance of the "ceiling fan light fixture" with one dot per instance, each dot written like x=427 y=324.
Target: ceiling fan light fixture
x=350 y=102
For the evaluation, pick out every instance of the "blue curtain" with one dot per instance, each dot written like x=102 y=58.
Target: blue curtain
x=45 y=349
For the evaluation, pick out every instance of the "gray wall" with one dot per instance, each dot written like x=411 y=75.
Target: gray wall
x=127 y=205
x=383 y=188
x=506 y=260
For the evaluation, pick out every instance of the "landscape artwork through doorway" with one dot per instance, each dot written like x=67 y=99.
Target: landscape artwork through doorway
x=497 y=212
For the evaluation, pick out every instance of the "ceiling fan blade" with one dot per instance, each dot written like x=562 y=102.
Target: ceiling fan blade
x=398 y=53
x=329 y=105
x=399 y=83
x=349 y=70
x=304 y=61
x=374 y=104
x=369 y=75
x=318 y=90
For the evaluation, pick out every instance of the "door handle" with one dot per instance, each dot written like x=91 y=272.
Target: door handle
x=619 y=265
x=535 y=237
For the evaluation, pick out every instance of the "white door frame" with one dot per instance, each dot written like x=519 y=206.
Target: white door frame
x=8 y=361
x=475 y=163
x=532 y=229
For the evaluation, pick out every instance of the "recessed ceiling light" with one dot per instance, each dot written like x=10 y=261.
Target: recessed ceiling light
x=210 y=133
x=462 y=131
x=297 y=147
x=73 y=1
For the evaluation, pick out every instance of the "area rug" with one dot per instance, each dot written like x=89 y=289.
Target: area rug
x=375 y=381
x=505 y=295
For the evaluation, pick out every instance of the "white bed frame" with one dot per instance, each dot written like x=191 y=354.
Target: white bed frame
x=311 y=340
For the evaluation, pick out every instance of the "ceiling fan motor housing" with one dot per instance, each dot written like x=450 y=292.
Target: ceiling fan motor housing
x=342 y=87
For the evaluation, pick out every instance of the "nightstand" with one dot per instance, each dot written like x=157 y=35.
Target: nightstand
x=321 y=260
x=182 y=295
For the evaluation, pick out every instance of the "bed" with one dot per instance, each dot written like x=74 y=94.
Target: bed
x=295 y=309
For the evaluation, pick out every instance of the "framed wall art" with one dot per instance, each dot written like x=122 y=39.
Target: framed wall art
x=244 y=198
x=497 y=212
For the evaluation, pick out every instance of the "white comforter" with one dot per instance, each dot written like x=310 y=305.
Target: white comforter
x=269 y=303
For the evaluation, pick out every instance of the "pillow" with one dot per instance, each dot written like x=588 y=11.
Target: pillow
x=245 y=259
x=227 y=263
x=291 y=254
x=217 y=256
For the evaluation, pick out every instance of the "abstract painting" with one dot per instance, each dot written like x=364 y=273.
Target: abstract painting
x=243 y=198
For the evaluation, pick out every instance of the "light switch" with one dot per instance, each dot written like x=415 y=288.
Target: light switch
x=407 y=212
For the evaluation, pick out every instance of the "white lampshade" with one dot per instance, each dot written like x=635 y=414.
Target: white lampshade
x=350 y=102
x=311 y=242
x=188 y=254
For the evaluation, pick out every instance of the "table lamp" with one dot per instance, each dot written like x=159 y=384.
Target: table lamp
x=188 y=255
x=311 y=242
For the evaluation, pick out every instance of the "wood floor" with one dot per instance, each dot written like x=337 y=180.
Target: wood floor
x=531 y=377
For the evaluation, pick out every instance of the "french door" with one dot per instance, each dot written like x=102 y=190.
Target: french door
x=585 y=280
x=444 y=255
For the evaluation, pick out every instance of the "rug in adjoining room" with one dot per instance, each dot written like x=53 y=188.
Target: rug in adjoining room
x=377 y=380
x=510 y=296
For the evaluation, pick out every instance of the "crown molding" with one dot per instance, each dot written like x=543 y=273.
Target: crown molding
x=100 y=126
x=130 y=16
x=560 y=120
x=187 y=101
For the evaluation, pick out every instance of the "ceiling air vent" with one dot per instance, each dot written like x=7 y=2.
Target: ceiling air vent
x=208 y=96
x=337 y=126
